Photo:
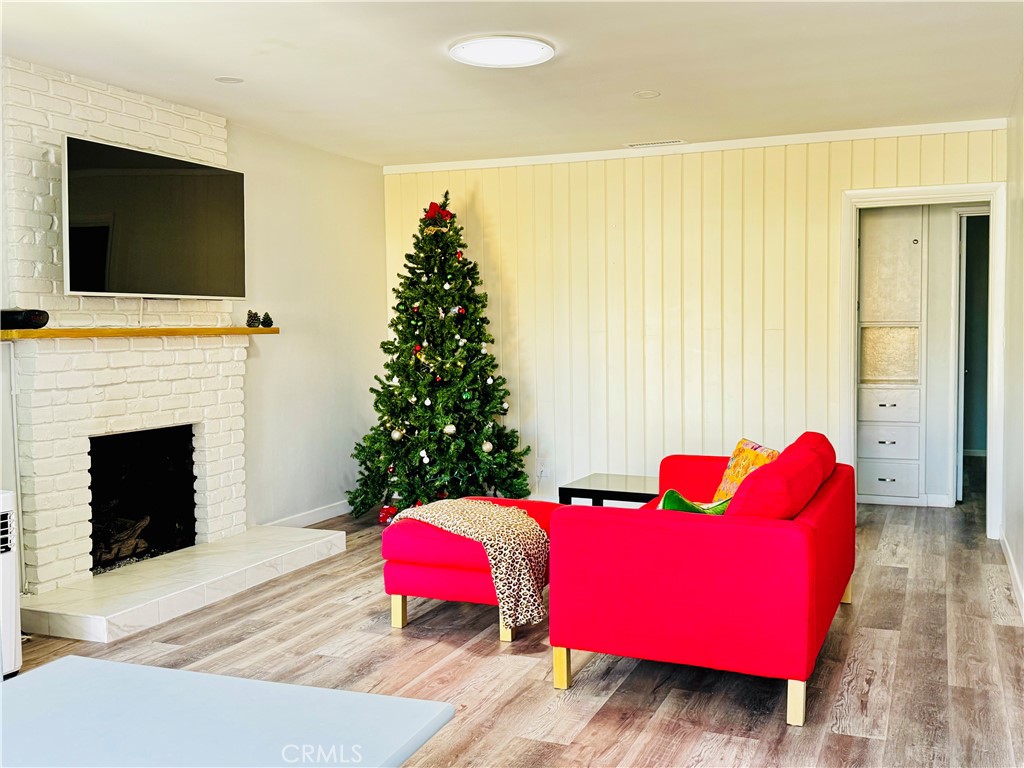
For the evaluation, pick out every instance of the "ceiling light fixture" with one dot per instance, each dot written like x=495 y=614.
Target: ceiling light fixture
x=229 y=80
x=646 y=94
x=501 y=51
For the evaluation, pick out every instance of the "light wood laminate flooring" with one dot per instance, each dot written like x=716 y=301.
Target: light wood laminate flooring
x=925 y=668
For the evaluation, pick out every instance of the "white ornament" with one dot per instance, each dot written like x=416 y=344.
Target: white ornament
x=424 y=344
x=457 y=336
x=440 y=313
x=490 y=379
x=392 y=479
x=447 y=286
x=483 y=347
x=424 y=278
x=423 y=452
x=426 y=460
x=396 y=435
x=487 y=447
x=427 y=402
x=504 y=406
x=412 y=399
x=449 y=429
x=395 y=381
x=462 y=342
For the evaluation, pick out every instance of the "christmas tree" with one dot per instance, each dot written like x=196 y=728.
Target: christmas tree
x=439 y=432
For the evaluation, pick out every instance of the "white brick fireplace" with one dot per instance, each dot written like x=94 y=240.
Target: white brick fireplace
x=69 y=390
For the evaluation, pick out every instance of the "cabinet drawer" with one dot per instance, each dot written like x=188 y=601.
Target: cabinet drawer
x=884 y=478
x=890 y=405
x=887 y=442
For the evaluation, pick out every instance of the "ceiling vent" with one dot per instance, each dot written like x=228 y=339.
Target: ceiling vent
x=642 y=144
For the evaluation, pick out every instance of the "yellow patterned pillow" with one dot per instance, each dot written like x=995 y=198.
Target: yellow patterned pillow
x=747 y=457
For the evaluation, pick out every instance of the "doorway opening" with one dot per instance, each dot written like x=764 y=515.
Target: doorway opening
x=972 y=402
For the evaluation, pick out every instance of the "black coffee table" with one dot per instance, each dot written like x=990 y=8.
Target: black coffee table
x=600 y=488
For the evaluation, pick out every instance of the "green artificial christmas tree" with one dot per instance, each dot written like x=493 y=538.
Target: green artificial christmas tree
x=439 y=432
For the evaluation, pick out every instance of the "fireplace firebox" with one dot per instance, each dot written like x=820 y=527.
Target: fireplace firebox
x=143 y=495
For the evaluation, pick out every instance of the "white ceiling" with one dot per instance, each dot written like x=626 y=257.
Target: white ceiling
x=373 y=81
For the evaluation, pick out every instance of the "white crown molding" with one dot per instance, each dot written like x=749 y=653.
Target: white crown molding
x=993 y=124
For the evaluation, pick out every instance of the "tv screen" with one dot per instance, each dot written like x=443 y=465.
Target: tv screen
x=139 y=224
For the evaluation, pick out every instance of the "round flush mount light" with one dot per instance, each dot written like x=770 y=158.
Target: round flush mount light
x=646 y=94
x=229 y=80
x=501 y=51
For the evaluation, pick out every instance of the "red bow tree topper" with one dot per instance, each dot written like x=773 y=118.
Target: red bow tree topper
x=436 y=210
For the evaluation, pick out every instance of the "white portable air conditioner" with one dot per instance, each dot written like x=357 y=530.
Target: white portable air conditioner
x=10 y=587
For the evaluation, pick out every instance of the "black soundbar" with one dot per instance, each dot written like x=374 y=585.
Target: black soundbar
x=20 y=319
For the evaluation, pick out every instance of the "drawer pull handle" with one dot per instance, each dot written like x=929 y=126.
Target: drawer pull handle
x=887 y=479
x=887 y=442
x=887 y=405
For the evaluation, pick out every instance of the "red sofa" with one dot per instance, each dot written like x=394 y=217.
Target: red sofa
x=753 y=591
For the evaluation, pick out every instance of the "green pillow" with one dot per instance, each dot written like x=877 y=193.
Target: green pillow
x=675 y=501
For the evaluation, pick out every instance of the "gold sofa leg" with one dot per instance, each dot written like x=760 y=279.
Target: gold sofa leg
x=505 y=634
x=399 y=614
x=796 y=702
x=848 y=594
x=562 y=668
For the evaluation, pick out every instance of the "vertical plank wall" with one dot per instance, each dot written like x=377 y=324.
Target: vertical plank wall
x=647 y=306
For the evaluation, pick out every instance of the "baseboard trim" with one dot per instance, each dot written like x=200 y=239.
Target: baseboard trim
x=318 y=515
x=1015 y=577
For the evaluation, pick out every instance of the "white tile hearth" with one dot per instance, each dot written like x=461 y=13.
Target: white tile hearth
x=141 y=595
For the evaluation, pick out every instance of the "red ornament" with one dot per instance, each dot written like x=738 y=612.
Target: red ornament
x=442 y=494
x=419 y=503
x=415 y=309
x=437 y=378
x=462 y=310
x=458 y=254
x=417 y=348
x=386 y=515
x=391 y=469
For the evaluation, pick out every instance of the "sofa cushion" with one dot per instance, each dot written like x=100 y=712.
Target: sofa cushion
x=818 y=444
x=782 y=488
x=746 y=457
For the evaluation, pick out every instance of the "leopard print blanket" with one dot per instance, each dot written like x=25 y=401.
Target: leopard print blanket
x=516 y=546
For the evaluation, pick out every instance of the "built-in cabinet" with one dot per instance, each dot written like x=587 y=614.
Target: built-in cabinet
x=892 y=371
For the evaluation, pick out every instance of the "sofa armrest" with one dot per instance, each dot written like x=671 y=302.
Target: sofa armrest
x=720 y=592
x=695 y=477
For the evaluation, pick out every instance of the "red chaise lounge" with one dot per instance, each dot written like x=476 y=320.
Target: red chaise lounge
x=753 y=591
x=421 y=560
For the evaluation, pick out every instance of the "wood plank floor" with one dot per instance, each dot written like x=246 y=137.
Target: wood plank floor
x=925 y=668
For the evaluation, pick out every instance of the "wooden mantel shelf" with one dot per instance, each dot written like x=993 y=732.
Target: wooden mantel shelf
x=95 y=333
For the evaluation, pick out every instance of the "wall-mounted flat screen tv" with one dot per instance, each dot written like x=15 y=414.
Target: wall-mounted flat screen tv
x=140 y=224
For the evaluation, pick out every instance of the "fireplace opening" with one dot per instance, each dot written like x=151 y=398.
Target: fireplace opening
x=143 y=495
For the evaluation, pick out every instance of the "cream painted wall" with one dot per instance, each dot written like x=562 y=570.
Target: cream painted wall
x=314 y=233
x=1014 y=450
x=677 y=303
